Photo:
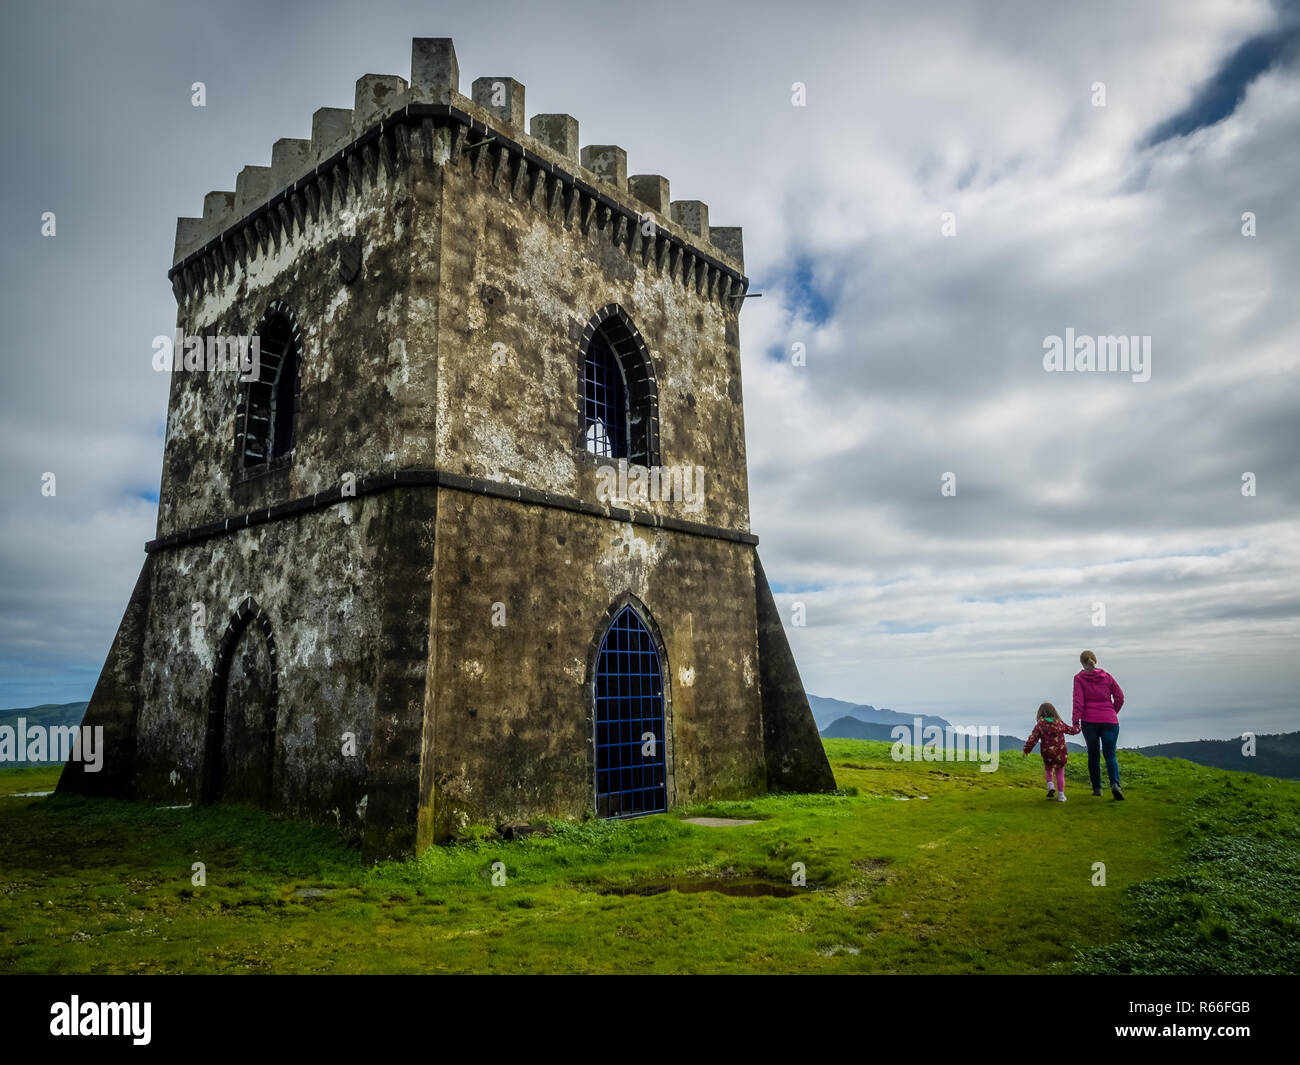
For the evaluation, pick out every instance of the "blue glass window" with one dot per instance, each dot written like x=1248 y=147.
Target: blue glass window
x=629 y=711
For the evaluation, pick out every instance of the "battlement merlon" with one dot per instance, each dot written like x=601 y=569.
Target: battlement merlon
x=495 y=113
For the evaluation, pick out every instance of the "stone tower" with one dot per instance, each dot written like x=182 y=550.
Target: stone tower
x=469 y=539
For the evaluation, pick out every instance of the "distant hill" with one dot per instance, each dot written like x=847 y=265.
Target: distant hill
x=837 y=719
x=1276 y=755
x=849 y=728
x=47 y=715
x=825 y=711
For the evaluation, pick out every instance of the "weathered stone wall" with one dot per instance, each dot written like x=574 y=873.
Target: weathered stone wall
x=796 y=759
x=366 y=400
x=509 y=727
x=347 y=592
x=522 y=275
x=114 y=704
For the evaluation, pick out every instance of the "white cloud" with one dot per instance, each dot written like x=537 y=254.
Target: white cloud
x=1072 y=488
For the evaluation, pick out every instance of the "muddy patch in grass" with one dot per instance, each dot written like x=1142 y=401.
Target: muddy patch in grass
x=870 y=875
x=745 y=889
x=312 y=894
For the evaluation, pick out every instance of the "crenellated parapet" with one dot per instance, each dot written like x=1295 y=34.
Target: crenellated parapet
x=395 y=123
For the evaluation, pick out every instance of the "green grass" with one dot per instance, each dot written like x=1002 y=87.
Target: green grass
x=15 y=780
x=976 y=872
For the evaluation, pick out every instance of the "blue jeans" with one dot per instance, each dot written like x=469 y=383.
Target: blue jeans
x=1095 y=734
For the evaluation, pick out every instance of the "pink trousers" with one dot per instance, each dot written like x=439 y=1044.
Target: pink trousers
x=1060 y=776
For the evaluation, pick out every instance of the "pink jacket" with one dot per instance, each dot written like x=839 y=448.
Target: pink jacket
x=1093 y=692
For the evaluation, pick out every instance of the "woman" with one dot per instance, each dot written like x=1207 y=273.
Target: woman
x=1097 y=702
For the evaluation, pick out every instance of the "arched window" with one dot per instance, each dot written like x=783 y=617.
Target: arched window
x=620 y=401
x=631 y=743
x=269 y=405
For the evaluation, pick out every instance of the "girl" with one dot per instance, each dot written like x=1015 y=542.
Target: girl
x=1050 y=730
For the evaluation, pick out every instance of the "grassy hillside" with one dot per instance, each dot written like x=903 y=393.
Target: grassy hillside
x=974 y=872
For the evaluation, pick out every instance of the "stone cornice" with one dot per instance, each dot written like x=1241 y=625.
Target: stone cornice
x=393 y=142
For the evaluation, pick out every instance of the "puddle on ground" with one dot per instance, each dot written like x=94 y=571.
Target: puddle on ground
x=314 y=893
x=745 y=889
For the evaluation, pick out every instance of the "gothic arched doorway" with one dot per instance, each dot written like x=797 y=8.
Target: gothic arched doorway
x=631 y=741
x=239 y=754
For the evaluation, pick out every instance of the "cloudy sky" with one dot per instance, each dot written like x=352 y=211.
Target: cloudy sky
x=963 y=182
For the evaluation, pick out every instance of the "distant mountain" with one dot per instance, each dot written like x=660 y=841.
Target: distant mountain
x=826 y=711
x=849 y=728
x=1276 y=755
x=837 y=715
x=47 y=715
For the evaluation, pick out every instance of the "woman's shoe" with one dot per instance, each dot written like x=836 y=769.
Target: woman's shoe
x=1114 y=790
x=1096 y=791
